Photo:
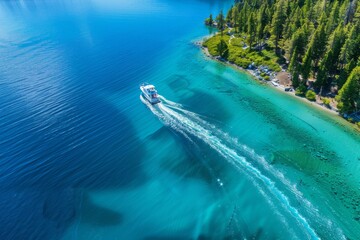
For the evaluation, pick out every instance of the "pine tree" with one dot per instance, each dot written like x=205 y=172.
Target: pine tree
x=294 y=60
x=349 y=94
x=209 y=21
x=251 y=30
x=323 y=73
x=351 y=50
x=306 y=68
x=245 y=11
x=333 y=19
x=262 y=21
x=294 y=68
x=316 y=49
x=235 y=18
x=318 y=45
x=346 y=72
x=299 y=42
x=221 y=21
x=336 y=42
x=277 y=22
x=223 y=49
x=308 y=10
x=229 y=15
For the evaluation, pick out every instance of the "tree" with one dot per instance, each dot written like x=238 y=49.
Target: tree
x=306 y=68
x=333 y=18
x=323 y=73
x=294 y=68
x=277 y=22
x=345 y=73
x=349 y=94
x=262 y=21
x=229 y=15
x=336 y=42
x=209 y=21
x=296 y=78
x=221 y=21
x=251 y=30
x=223 y=49
x=299 y=41
x=351 y=50
x=235 y=18
x=294 y=60
x=309 y=10
x=318 y=45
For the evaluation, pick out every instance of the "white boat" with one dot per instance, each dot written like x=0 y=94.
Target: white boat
x=149 y=93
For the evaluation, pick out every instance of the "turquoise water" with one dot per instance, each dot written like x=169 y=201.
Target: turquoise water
x=222 y=157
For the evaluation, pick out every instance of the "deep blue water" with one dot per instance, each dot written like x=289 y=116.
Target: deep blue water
x=223 y=157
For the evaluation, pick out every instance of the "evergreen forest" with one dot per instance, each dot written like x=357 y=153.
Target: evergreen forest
x=317 y=41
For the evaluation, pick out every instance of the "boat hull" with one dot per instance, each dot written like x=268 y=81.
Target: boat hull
x=149 y=98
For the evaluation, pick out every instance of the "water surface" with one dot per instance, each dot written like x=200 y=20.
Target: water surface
x=223 y=157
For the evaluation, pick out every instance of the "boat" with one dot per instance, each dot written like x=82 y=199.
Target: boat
x=149 y=93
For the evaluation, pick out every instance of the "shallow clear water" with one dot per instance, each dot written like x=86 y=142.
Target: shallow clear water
x=82 y=157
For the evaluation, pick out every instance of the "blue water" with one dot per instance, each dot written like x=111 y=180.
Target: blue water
x=222 y=157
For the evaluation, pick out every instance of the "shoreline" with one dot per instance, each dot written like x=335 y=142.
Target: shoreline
x=280 y=87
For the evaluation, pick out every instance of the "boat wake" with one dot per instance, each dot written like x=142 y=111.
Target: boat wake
x=270 y=182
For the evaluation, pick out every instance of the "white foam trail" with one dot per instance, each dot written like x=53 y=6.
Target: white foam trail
x=169 y=102
x=289 y=185
x=165 y=119
x=262 y=161
x=191 y=127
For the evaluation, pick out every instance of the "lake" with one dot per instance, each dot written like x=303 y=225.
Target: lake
x=222 y=157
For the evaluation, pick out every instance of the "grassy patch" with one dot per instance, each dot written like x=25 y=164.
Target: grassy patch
x=240 y=56
x=211 y=43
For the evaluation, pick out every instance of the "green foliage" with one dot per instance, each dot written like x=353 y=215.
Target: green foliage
x=239 y=56
x=349 y=97
x=358 y=124
x=212 y=44
x=326 y=102
x=295 y=79
x=262 y=21
x=306 y=67
x=298 y=41
x=333 y=18
x=346 y=72
x=351 y=49
x=310 y=95
x=300 y=91
x=278 y=21
x=221 y=21
x=325 y=35
x=294 y=69
x=251 y=29
x=318 y=44
x=209 y=21
x=244 y=63
x=222 y=49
